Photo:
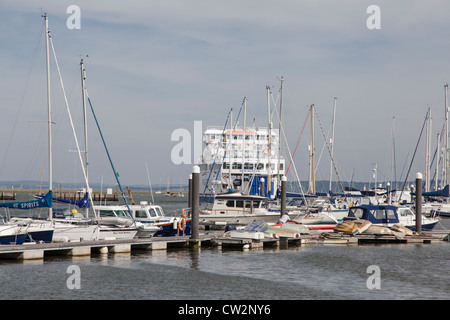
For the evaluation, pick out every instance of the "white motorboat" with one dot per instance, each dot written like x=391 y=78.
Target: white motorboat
x=389 y=215
x=237 y=209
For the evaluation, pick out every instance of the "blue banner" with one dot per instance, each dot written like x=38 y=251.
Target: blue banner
x=44 y=202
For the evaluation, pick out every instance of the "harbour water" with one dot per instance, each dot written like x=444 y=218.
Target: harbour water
x=310 y=272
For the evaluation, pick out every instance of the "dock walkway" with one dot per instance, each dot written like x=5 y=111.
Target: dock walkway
x=86 y=248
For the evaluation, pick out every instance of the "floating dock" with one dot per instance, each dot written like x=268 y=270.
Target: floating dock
x=33 y=251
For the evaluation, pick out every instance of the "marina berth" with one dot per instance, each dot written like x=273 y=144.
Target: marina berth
x=149 y=219
x=389 y=215
x=11 y=234
x=237 y=209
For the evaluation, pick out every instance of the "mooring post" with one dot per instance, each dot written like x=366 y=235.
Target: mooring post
x=388 y=193
x=195 y=202
x=261 y=187
x=283 y=195
x=190 y=192
x=418 y=202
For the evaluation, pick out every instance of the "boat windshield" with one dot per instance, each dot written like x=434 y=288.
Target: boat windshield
x=141 y=214
x=121 y=213
x=405 y=212
x=106 y=213
x=356 y=212
x=160 y=211
x=153 y=212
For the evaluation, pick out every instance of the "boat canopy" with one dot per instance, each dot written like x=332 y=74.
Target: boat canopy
x=377 y=214
x=82 y=203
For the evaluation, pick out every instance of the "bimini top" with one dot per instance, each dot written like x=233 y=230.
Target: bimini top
x=377 y=214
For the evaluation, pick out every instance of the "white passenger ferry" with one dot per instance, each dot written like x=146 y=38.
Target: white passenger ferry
x=247 y=161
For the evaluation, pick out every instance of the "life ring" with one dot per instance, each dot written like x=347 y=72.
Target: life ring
x=180 y=227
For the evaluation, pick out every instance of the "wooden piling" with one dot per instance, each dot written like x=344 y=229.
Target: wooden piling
x=418 y=202
x=283 y=195
x=195 y=202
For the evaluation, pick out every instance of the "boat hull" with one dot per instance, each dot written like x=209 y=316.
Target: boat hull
x=41 y=235
x=13 y=239
x=107 y=233
x=173 y=229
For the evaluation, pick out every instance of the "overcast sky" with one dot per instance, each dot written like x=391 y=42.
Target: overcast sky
x=155 y=66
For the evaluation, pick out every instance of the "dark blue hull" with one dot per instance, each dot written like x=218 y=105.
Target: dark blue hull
x=40 y=236
x=426 y=227
x=13 y=239
x=167 y=230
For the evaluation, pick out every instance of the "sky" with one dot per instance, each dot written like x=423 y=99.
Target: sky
x=156 y=66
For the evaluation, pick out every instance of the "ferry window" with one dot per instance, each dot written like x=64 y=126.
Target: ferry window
x=237 y=165
x=263 y=204
x=153 y=213
x=239 y=203
x=260 y=166
x=213 y=136
x=390 y=214
x=256 y=204
x=225 y=165
x=230 y=203
x=248 y=204
x=281 y=166
x=141 y=214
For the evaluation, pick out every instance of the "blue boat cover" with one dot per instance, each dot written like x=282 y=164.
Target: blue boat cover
x=82 y=203
x=44 y=202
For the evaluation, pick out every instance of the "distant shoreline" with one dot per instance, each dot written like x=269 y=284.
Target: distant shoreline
x=72 y=190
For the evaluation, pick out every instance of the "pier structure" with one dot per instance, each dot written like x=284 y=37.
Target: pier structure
x=217 y=239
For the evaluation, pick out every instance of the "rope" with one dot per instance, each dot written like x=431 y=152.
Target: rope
x=295 y=150
x=331 y=156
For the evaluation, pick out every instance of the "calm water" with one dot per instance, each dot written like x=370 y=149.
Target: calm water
x=327 y=272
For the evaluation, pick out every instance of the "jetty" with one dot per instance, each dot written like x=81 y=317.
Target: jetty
x=33 y=251
x=213 y=238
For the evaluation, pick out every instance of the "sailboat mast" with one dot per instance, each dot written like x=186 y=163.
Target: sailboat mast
x=332 y=143
x=243 y=144
x=49 y=107
x=445 y=163
x=230 y=183
x=428 y=151
x=313 y=178
x=279 y=133
x=83 y=95
x=269 y=155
